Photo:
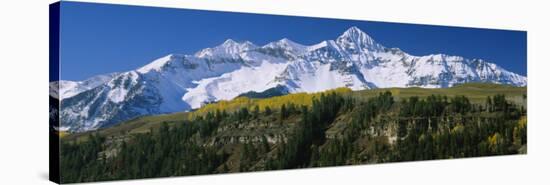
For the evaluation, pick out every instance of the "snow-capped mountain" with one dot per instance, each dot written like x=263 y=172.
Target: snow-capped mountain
x=67 y=88
x=183 y=82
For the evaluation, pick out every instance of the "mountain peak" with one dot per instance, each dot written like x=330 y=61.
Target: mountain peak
x=286 y=44
x=282 y=42
x=233 y=43
x=354 y=29
x=156 y=65
x=286 y=40
x=355 y=33
x=179 y=82
x=229 y=42
x=355 y=39
x=228 y=49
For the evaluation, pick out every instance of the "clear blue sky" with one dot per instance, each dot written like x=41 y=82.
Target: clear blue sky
x=98 y=38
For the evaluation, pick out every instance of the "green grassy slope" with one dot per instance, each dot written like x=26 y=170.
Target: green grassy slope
x=340 y=128
x=476 y=92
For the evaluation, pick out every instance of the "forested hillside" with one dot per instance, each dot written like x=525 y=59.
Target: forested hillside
x=326 y=129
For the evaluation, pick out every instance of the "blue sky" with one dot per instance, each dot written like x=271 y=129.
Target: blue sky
x=98 y=38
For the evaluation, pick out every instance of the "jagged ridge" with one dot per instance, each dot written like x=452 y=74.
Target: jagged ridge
x=183 y=82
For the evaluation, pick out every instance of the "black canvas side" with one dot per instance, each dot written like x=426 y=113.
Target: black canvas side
x=54 y=97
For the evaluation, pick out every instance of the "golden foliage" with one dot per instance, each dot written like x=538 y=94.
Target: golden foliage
x=495 y=141
x=62 y=134
x=231 y=105
x=458 y=129
x=519 y=131
x=298 y=99
x=395 y=91
x=522 y=123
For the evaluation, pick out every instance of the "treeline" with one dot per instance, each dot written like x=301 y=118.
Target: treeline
x=438 y=128
x=377 y=130
x=309 y=133
x=164 y=152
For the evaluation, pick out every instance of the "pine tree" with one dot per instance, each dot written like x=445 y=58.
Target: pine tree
x=267 y=110
x=283 y=114
x=256 y=111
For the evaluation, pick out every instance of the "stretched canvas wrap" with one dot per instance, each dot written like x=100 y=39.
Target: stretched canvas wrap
x=144 y=92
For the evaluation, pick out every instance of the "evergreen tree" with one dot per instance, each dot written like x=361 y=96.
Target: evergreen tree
x=267 y=110
x=256 y=112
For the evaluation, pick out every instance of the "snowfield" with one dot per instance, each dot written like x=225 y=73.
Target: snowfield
x=180 y=82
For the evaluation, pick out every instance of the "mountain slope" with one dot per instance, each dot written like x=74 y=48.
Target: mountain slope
x=336 y=130
x=477 y=93
x=183 y=82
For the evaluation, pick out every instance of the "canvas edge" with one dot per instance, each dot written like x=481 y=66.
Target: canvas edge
x=54 y=33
